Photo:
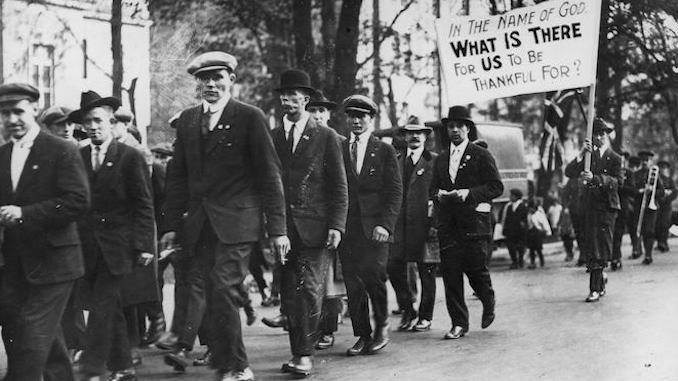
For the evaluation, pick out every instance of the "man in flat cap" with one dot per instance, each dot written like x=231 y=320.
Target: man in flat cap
x=56 y=120
x=124 y=124
x=117 y=234
x=226 y=176
x=600 y=200
x=465 y=180
x=316 y=197
x=375 y=193
x=43 y=191
x=664 y=212
x=413 y=228
x=643 y=195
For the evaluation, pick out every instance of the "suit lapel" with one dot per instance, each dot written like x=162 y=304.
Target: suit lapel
x=420 y=166
x=107 y=170
x=222 y=128
x=193 y=139
x=86 y=153
x=306 y=138
x=5 y=171
x=444 y=166
x=370 y=156
x=347 y=159
x=31 y=166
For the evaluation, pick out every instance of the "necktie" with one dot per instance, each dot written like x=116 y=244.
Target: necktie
x=454 y=165
x=354 y=154
x=290 y=139
x=97 y=159
x=409 y=167
x=205 y=121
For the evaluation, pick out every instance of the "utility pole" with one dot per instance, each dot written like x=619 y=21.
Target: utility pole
x=376 y=63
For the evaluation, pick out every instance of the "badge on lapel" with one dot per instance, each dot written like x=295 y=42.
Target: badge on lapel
x=227 y=127
x=220 y=127
x=35 y=167
x=372 y=172
x=109 y=164
x=305 y=137
x=420 y=172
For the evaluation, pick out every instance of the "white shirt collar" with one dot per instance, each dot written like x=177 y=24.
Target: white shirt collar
x=216 y=107
x=103 y=147
x=287 y=124
x=602 y=149
x=416 y=153
x=460 y=148
x=363 y=138
x=26 y=141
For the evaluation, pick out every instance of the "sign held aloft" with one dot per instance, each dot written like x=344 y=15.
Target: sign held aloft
x=546 y=47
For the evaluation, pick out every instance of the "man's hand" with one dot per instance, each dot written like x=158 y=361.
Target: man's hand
x=587 y=147
x=145 y=259
x=10 y=214
x=455 y=195
x=333 y=239
x=281 y=244
x=168 y=240
x=587 y=176
x=380 y=234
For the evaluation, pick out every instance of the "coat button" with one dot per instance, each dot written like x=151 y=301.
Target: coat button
x=103 y=220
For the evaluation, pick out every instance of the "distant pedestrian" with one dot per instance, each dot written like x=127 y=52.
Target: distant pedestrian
x=567 y=234
x=515 y=227
x=538 y=229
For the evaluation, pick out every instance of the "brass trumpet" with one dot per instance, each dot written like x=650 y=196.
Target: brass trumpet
x=652 y=176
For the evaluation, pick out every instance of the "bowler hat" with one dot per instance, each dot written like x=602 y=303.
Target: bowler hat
x=461 y=113
x=634 y=161
x=55 y=114
x=319 y=100
x=294 y=79
x=123 y=115
x=663 y=164
x=14 y=92
x=413 y=125
x=89 y=100
x=599 y=124
x=360 y=103
x=212 y=61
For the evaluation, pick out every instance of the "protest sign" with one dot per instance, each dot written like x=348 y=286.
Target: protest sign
x=546 y=47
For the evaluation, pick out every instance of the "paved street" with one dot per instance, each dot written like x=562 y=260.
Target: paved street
x=543 y=330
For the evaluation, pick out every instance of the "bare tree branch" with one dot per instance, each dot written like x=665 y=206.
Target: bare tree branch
x=388 y=33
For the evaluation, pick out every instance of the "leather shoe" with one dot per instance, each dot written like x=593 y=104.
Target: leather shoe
x=594 y=296
x=203 y=360
x=360 y=346
x=325 y=341
x=380 y=340
x=647 y=261
x=488 y=316
x=279 y=321
x=123 y=375
x=456 y=332
x=408 y=320
x=298 y=365
x=236 y=375
x=422 y=325
x=251 y=317
x=177 y=360
x=137 y=360
x=168 y=341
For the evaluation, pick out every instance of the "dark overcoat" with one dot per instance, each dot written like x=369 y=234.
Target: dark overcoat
x=53 y=193
x=314 y=180
x=414 y=221
x=378 y=190
x=232 y=180
x=478 y=173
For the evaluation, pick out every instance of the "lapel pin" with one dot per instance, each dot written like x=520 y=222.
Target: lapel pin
x=220 y=127
x=467 y=157
x=305 y=137
x=109 y=164
x=420 y=172
x=35 y=166
x=228 y=127
x=372 y=154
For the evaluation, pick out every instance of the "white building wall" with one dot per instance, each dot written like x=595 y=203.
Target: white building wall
x=65 y=25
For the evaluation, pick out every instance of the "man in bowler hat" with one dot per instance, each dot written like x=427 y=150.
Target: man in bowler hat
x=600 y=199
x=226 y=177
x=117 y=234
x=316 y=198
x=647 y=238
x=465 y=180
x=375 y=195
x=43 y=191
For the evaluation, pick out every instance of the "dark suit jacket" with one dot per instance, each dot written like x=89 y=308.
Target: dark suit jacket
x=232 y=182
x=120 y=223
x=604 y=189
x=314 y=180
x=413 y=223
x=376 y=194
x=515 y=222
x=53 y=193
x=478 y=173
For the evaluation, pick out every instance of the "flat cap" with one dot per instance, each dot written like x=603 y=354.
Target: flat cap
x=212 y=61
x=55 y=114
x=634 y=161
x=599 y=124
x=360 y=103
x=123 y=115
x=162 y=150
x=663 y=164
x=645 y=154
x=14 y=92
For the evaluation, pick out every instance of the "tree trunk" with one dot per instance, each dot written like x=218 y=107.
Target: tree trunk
x=328 y=30
x=116 y=47
x=602 y=70
x=378 y=95
x=439 y=82
x=618 y=126
x=345 y=65
x=303 y=38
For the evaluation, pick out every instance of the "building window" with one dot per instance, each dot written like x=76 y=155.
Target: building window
x=42 y=73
